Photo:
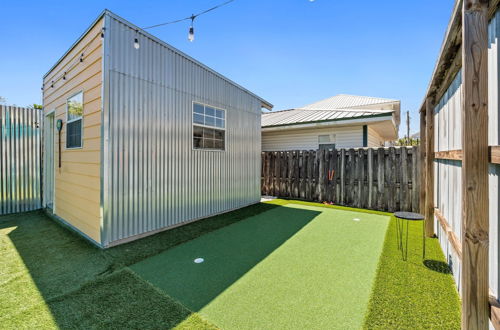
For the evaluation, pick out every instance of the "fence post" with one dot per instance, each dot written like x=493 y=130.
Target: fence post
x=429 y=168
x=415 y=183
x=475 y=213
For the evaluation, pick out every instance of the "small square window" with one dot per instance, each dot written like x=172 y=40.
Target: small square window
x=209 y=121
x=219 y=144
x=209 y=111
x=208 y=127
x=198 y=108
x=324 y=139
x=197 y=132
x=219 y=123
x=198 y=119
x=208 y=143
x=219 y=135
x=198 y=143
x=208 y=133
x=74 y=117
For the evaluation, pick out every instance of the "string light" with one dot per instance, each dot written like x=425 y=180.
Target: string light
x=78 y=60
x=192 y=17
x=136 y=40
x=191 y=29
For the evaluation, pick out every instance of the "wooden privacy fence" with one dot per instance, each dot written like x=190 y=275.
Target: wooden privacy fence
x=384 y=179
x=20 y=167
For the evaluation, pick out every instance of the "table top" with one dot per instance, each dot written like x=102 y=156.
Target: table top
x=409 y=216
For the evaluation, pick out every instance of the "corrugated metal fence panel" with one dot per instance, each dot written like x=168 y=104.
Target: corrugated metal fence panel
x=20 y=159
x=494 y=139
x=448 y=173
x=154 y=177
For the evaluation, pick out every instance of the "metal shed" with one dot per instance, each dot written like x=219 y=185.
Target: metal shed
x=165 y=140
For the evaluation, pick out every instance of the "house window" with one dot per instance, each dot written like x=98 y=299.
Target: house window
x=326 y=141
x=74 y=115
x=209 y=127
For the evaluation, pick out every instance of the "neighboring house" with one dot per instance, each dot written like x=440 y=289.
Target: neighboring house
x=342 y=121
x=151 y=138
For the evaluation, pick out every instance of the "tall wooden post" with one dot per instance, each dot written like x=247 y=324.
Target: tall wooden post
x=422 y=161
x=475 y=309
x=429 y=167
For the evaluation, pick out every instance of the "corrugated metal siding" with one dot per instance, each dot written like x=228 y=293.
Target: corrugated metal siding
x=494 y=139
x=448 y=173
x=19 y=159
x=153 y=179
x=307 y=139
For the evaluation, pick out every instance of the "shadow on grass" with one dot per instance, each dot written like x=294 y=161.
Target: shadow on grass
x=229 y=253
x=54 y=278
x=438 y=266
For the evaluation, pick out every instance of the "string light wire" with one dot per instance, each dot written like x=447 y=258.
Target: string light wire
x=192 y=17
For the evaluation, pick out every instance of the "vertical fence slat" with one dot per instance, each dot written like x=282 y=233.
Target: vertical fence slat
x=369 y=156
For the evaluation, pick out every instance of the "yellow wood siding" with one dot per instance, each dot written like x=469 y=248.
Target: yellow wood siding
x=77 y=182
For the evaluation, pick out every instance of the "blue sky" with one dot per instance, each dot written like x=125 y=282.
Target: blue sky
x=290 y=52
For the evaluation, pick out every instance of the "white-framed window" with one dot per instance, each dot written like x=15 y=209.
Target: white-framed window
x=74 y=119
x=326 y=141
x=209 y=127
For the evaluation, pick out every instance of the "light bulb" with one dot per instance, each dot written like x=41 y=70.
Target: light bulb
x=136 y=43
x=191 y=34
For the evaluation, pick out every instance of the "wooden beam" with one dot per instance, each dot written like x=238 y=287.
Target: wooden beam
x=429 y=168
x=449 y=154
x=493 y=154
x=449 y=75
x=452 y=237
x=422 y=162
x=475 y=226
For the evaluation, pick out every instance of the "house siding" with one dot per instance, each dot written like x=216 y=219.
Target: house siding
x=77 y=181
x=307 y=139
x=374 y=139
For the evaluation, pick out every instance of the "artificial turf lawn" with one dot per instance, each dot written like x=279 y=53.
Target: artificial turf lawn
x=291 y=267
x=51 y=278
x=413 y=294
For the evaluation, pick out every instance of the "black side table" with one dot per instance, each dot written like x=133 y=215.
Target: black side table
x=407 y=217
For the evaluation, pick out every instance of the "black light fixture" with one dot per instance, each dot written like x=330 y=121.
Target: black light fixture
x=136 y=40
x=191 y=29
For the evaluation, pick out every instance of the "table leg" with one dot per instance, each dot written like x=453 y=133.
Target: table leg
x=406 y=253
x=397 y=233
x=423 y=238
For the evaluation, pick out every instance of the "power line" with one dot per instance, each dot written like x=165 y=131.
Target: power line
x=192 y=17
